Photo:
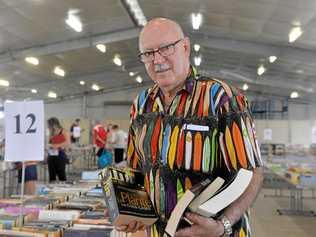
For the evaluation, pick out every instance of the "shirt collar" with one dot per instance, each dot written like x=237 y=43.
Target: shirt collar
x=188 y=85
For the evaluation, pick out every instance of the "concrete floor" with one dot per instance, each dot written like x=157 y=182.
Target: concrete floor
x=267 y=222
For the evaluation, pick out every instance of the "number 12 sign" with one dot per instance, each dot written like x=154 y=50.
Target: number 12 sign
x=24 y=130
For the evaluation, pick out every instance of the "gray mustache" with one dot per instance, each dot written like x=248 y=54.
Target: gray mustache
x=161 y=67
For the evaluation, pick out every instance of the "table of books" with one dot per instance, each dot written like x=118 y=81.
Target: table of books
x=297 y=175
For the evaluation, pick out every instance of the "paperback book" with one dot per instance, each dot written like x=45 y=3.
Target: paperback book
x=125 y=198
x=207 y=199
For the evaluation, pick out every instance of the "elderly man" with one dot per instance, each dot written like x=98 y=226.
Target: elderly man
x=187 y=128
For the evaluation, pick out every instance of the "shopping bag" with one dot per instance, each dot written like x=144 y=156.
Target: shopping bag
x=105 y=159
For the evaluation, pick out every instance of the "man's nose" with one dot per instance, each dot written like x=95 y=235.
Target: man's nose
x=158 y=58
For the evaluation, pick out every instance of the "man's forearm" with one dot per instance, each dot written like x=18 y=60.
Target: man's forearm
x=237 y=208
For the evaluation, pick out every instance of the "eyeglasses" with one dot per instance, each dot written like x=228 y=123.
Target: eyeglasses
x=165 y=51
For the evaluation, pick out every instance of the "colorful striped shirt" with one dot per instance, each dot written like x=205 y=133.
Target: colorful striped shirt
x=206 y=132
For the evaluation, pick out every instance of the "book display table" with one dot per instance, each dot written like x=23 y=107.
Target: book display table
x=293 y=180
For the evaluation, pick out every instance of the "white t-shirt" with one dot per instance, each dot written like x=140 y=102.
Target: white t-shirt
x=119 y=139
x=76 y=132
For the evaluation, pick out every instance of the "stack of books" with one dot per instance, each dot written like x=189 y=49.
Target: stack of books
x=207 y=199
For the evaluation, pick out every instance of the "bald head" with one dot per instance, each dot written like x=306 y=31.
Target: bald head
x=159 y=25
x=168 y=53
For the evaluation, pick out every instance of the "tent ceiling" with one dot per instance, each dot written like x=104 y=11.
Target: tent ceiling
x=235 y=38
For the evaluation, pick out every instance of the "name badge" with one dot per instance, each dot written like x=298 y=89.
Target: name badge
x=195 y=127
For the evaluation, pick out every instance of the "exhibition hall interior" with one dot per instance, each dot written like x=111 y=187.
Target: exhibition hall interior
x=85 y=107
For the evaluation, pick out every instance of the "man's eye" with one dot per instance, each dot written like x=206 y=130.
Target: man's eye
x=165 y=48
x=148 y=54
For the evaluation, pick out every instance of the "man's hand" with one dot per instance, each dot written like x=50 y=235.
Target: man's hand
x=131 y=227
x=202 y=227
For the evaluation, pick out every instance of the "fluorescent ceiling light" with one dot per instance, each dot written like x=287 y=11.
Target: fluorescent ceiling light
x=4 y=83
x=139 y=79
x=34 y=91
x=82 y=83
x=131 y=74
x=261 y=70
x=137 y=12
x=59 y=71
x=272 y=59
x=32 y=60
x=196 y=20
x=197 y=47
x=101 y=47
x=294 y=95
x=117 y=60
x=295 y=33
x=197 y=60
x=95 y=87
x=245 y=87
x=1 y=114
x=52 y=94
x=74 y=22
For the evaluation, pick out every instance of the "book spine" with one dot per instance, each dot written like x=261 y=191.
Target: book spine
x=198 y=188
x=110 y=200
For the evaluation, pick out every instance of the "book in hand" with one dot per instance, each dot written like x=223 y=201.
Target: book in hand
x=228 y=194
x=191 y=199
x=214 y=198
x=126 y=200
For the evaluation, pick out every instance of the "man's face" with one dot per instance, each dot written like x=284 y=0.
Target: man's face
x=167 y=71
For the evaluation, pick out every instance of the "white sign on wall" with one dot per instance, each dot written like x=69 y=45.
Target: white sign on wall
x=267 y=134
x=24 y=131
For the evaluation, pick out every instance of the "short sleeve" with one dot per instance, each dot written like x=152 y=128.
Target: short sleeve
x=237 y=136
x=132 y=157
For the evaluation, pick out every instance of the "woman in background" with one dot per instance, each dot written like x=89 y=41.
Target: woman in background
x=59 y=141
x=30 y=177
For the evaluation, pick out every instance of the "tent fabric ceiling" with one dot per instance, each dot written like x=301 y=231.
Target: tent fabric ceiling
x=235 y=38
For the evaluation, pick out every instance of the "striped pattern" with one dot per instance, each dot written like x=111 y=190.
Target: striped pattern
x=207 y=147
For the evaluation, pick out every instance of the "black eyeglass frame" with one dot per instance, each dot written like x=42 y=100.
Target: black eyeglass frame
x=158 y=51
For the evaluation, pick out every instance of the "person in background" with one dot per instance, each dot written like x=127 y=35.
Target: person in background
x=186 y=128
x=59 y=141
x=99 y=137
x=118 y=142
x=30 y=177
x=109 y=138
x=75 y=131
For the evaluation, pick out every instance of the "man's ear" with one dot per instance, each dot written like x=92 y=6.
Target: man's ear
x=187 y=46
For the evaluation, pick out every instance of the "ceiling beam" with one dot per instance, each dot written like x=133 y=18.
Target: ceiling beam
x=67 y=45
x=291 y=53
x=271 y=81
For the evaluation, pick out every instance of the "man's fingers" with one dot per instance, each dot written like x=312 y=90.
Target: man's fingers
x=197 y=219
x=142 y=227
x=131 y=226
x=134 y=226
x=188 y=232
x=121 y=227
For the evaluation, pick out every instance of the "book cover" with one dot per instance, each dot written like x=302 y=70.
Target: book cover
x=79 y=232
x=206 y=194
x=12 y=233
x=126 y=200
x=57 y=215
x=176 y=220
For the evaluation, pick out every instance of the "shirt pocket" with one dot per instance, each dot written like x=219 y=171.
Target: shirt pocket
x=197 y=148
